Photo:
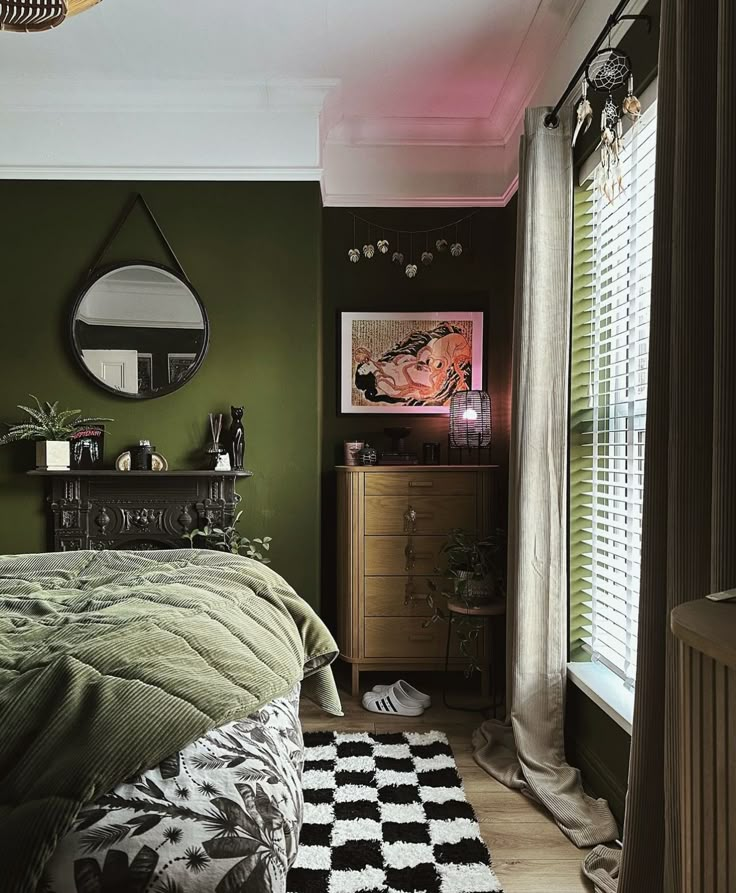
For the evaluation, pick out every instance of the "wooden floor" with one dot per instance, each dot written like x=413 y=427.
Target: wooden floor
x=530 y=854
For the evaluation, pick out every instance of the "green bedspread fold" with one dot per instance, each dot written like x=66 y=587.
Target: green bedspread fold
x=111 y=661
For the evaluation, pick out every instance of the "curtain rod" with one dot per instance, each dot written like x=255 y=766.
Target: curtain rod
x=552 y=119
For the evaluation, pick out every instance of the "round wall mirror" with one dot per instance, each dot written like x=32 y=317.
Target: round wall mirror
x=139 y=330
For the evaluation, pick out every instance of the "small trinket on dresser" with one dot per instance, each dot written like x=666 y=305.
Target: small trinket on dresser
x=368 y=455
x=431 y=453
x=352 y=449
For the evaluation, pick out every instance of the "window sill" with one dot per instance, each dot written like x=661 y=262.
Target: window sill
x=605 y=689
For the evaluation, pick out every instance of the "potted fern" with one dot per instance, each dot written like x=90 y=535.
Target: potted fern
x=51 y=428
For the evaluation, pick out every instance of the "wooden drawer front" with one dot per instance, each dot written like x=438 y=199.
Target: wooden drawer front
x=418 y=514
x=385 y=596
x=399 y=483
x=390 y=555
x=405 y=637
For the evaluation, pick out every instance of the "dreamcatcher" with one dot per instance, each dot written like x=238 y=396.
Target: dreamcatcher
x=608 y=71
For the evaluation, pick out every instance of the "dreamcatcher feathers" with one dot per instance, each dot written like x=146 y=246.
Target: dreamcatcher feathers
x=608 y=71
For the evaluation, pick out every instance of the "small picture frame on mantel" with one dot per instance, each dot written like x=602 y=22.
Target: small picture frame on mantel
x=87 y=448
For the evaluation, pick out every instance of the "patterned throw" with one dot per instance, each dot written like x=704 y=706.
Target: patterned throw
x=386 y=813
x=112 y=661
x=222 y=814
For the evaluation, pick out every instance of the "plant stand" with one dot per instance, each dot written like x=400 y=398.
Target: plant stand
x=488 y=612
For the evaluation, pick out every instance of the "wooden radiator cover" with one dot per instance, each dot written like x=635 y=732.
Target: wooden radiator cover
x=706 y=633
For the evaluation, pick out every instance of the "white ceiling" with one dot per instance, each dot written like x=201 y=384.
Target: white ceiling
x=401 y=102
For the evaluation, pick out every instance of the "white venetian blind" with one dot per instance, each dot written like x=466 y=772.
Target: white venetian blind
x=610 y=344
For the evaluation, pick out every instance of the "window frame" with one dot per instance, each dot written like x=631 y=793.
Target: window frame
x=604 y=686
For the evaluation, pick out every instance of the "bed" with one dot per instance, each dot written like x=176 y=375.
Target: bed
x=150 y=737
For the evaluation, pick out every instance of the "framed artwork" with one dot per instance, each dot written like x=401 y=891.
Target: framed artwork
x=145 y=372
x=408 y=363
x=87 y=448
x=179 y=366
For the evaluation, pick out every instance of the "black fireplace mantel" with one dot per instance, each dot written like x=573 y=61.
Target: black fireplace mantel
x=136 y=509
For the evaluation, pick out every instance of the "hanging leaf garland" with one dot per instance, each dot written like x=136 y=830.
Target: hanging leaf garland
x=392 y=248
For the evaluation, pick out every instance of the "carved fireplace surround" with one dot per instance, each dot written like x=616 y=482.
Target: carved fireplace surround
x=135 y=509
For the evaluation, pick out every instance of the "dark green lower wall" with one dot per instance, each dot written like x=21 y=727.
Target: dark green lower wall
x=253 y=252
x=599 y=747
x=481 y=279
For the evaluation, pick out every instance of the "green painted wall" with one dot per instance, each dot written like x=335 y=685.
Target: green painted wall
x=272 y=271
x=253 y=252
x=599 y=748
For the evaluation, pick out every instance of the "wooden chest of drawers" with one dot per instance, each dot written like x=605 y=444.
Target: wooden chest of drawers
x=392 y=524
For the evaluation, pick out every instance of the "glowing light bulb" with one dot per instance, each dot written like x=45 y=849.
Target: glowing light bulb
x=470 y=414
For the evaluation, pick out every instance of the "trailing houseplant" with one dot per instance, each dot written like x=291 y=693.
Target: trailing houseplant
x=51 y=428
x=475 y=572
x=229 y=539
x=473 y=564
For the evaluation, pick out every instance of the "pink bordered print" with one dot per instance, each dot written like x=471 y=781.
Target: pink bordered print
x=408 y=363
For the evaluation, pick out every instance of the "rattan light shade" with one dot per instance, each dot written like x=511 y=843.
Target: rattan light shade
x=470 y=420
x=74 y=7
x=39 y=15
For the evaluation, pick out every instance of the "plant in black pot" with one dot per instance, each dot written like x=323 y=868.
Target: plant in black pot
x=475 y=574
x=475 y=565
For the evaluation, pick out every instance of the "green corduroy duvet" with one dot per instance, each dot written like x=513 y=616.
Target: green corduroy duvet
x=111 y=661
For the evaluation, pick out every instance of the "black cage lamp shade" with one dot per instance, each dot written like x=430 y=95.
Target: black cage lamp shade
x=470 y=420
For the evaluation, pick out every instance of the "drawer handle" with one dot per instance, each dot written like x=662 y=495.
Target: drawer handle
x=416 y=637
x=410 y=556
x=421 y=483
x=410 y=597
x=410 y=520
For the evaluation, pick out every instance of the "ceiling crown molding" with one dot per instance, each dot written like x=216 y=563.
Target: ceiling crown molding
x=294 y=129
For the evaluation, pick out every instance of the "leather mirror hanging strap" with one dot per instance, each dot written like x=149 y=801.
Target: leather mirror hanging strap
x=128 y=210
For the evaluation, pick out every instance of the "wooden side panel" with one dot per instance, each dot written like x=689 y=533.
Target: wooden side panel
x=350 y=557
x=486 y=501
x=686 y=764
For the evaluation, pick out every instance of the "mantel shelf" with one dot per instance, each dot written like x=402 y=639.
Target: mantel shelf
x=111 y=472
x=139 y=510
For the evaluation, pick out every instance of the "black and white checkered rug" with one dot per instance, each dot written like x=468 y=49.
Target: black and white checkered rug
x=386 y=813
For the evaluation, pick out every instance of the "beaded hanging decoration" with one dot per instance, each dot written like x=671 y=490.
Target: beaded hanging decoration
x=434 y=241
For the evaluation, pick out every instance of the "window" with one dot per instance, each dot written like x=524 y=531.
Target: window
x=610 y=344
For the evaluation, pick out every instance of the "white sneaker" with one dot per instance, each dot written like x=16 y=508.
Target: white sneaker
x=408 y=692
x=391 y=702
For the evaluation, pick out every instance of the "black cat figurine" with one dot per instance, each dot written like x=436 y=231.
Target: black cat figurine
x=237 y=438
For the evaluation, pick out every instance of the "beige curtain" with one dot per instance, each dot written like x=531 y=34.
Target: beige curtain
x=689 y=524
x=527 y=751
